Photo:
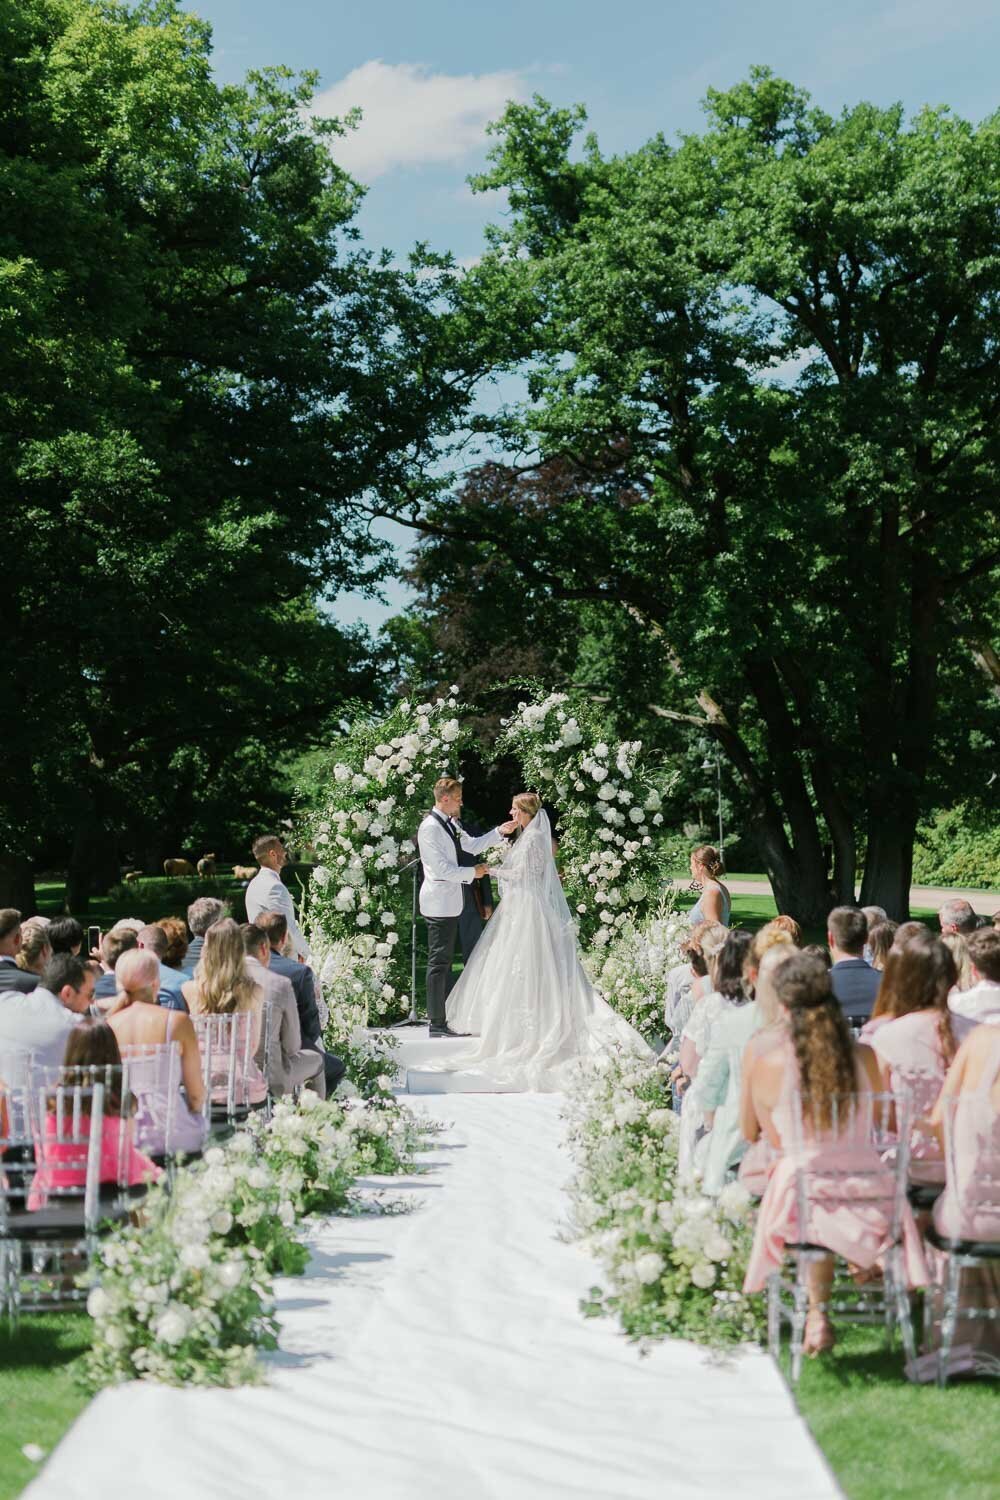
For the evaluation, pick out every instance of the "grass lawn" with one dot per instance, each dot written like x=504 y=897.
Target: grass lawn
x=39 y=1397
x=885 y=1438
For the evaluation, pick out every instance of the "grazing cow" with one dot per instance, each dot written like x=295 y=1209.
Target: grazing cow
x=244 y=872
x=206 y=867
x=131 y=876
x=178 y=867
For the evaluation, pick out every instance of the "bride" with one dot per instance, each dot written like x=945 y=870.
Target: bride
x=524 y=992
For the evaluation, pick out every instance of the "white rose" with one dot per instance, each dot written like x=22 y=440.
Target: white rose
x=387 y=919
x=636 y=814
x=99 y=1303
x=341 y=772
x=657 y=819
x=230 y=1274
x=606 y=792
x=601 y=750
x=649 y=1267
x=321 y=875
x=717 y=1247
x=172 y=1324
x=703 y=1274
x=195 y=1257
x=363 y=919
x=382 y=950
x=734 y=1200
x=222 y=1221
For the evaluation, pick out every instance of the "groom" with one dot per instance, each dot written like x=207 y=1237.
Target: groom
x=440 y=841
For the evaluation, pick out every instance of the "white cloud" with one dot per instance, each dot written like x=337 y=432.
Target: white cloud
x=412 y=116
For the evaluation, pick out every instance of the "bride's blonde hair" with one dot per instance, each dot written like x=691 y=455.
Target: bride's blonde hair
x=528 y=802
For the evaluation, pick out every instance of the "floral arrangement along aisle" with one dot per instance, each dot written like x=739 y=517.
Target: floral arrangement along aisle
x=358 y=902
x=608 y=799
x=631 y=970
x=674 y=1259
x=184 y=1295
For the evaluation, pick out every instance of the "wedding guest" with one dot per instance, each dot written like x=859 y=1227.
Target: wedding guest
x=288 y=1064
x=982 y=1001
x=720 y=1075
x=912 y=1037
x=223 y=987
x=35 y=950
x=880 y=939
x=201 y=915
x=92 y=1045
x=714 y=904
x=139 y=1021
x=820 y=951
x=967 y=1209
x=784 y=923
x=957 y=915
x=114 y=943
x=821 y=1062
x=874 y=915
x=66 y=935
x=303 y=981
x=855 y=983
x=41 y=1021
x=153 y=939
x=905 y=931
x=12 y=977
x=725 y=972
x=177 y=944
x=267 y=892
x=959 y=950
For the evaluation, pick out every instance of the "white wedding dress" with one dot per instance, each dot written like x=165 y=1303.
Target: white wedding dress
x=524 y=994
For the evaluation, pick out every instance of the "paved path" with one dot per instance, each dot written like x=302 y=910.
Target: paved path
x=921 y=896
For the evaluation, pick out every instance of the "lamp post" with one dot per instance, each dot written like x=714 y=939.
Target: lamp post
x=707 y=765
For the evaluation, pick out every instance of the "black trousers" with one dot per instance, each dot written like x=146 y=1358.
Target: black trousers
x=470 y=924
x=334 y=1067
x=442 y=933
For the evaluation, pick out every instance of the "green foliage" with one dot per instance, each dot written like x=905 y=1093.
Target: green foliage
x=762 y=378
x=200 y=368
x=956 y=847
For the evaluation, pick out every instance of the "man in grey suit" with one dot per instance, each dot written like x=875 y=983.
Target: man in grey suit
x=287 y=1063
x=11 y=977
x=201 y=915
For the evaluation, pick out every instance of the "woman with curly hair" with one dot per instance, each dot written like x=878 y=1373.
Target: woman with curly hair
x=820 y=1062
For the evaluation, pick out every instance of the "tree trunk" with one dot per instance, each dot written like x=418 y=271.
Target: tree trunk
x=17 y=884
x=94 y=862
x=889 y=865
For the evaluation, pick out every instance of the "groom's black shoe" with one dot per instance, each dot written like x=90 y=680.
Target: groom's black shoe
x=444 y=1031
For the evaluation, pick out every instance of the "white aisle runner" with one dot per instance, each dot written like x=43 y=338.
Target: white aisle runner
x=442 y=1355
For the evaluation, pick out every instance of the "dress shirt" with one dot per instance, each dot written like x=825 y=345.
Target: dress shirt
x=267 y=892
x=38 y=1023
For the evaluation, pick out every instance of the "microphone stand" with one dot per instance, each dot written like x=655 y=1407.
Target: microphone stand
x=412 y=1019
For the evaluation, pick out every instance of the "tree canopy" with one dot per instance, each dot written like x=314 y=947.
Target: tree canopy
x=763 y=380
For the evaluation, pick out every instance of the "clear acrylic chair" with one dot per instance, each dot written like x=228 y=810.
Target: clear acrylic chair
x=226 y=1045
x=857 y=1165
x=51 y=1139
x=972 y=1164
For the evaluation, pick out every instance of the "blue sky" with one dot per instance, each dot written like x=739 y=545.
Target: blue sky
x=429 y=74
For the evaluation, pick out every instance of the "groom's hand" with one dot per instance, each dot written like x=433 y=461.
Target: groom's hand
x=507 y=828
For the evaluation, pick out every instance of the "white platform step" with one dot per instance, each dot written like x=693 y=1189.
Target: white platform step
x=416 y=1049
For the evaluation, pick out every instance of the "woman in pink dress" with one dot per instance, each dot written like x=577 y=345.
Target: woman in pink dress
x=164 y=1125
x=914 y=1043
x=92 y=1044
x=968 y=1209
x=821 y=1062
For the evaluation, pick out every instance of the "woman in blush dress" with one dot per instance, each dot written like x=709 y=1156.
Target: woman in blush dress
x=912 y=1038
x=969 y=1207
x=222 y=986
x=524 y=990
x=823 y=1064
x=140 y=1024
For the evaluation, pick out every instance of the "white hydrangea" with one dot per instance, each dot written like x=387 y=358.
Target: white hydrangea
x=649 y=1267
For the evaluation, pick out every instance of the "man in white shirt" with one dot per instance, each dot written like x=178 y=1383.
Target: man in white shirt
x=266 y=892
x=40 y=1023
x=982 y=1001
x=441 y=894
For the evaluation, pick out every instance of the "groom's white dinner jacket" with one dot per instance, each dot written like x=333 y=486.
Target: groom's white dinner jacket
x=441 y=893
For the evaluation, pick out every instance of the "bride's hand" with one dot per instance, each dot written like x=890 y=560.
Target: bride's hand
x=507 y=828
